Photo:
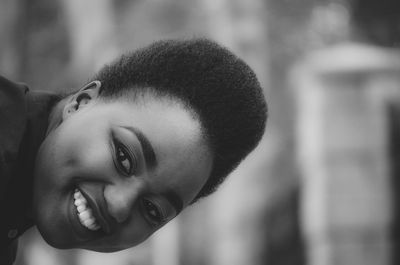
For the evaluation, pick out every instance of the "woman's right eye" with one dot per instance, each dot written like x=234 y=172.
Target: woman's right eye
x=124 y=160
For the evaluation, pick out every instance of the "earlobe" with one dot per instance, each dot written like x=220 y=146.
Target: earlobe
x=82 y=98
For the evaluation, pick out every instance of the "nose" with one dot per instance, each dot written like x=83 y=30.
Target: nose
x=121 y=198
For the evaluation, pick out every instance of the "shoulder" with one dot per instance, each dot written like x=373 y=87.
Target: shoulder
x=12 y=98
x=8 y=254
x=13 y=109
x=13 y=119
x=11 y=91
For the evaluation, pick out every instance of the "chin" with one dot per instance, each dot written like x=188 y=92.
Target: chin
x=54 y=240
x=51 y=232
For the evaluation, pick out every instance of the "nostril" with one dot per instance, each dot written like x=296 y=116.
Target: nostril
x=121 y=217
x=121 y=198
x=120 y=211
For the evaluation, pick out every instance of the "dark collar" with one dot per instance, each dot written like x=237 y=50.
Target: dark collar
x=20 y=188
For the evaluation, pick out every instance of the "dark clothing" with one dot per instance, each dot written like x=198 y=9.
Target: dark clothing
x=13 y=124
x=19 y=110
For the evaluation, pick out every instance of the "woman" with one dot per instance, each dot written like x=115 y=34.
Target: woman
x=105 y=166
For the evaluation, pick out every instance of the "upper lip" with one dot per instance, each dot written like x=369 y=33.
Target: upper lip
x=94 y=196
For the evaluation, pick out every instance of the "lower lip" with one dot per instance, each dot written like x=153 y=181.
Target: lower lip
x=81 y=232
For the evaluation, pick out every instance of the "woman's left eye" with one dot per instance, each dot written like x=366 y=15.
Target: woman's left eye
x=152 y=212
x=124 y=160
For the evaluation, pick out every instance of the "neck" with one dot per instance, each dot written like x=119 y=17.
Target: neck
x=55 y=115
x=41 y=109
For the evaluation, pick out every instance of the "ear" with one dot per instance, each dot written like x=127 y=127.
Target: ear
x=81 y=99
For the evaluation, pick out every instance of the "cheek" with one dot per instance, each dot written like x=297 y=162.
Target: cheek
x=90 y=153
x=68 y=153
x=46 y=163
x=83 y=142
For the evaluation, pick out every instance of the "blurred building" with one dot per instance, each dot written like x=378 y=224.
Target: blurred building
x=322 y=187
x=347 y=96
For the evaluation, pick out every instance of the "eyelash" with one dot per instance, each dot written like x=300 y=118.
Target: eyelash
x=147 y=205
x=120 y=148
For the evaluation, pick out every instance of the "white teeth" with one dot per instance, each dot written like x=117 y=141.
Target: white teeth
x=85 y=212
x=89 y=222
x=81 y=208
x=78 y=202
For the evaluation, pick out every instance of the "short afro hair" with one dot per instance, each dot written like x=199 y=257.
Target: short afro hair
x=221 y=89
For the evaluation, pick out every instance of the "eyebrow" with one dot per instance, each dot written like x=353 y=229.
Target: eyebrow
x=148 y=151
x=150 y=157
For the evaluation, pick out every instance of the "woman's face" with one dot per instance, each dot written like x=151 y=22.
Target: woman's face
x=113 y=173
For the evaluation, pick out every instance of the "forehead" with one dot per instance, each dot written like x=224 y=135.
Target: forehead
x=183 y=155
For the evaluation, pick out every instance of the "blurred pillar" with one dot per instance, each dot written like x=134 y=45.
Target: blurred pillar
x=342 y=95
x=92 y=35
x=12 y=35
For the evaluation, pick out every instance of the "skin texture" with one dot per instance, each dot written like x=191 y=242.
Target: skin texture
x=87 y=147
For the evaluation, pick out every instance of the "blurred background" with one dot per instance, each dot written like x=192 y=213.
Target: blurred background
x=323 y=186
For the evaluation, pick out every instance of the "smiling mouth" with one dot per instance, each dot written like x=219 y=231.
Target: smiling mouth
x=84 y=212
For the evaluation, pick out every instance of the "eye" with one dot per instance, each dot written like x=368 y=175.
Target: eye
x=124 y=160
x=152 y=212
